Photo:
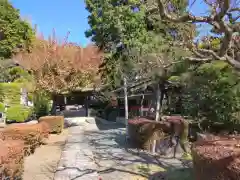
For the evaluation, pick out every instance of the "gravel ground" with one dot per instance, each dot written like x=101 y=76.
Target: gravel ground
x=100 y=150
x=43 y=163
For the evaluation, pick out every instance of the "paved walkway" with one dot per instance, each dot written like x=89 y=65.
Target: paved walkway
x=99 y=150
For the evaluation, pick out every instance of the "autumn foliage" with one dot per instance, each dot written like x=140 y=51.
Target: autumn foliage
x=55 y=123
x=60 y=66
x=217 y=158
x=33 y=135
x=143 y=131
x=11 y=159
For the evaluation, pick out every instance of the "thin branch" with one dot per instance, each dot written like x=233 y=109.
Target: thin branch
x=224 y=6
x=185 y=18
x=219 y=25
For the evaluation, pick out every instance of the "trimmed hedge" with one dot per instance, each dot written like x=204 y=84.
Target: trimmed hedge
x=56 y=123
x=18 y=113
x=143 y=131
x=11 y=159
x=217 y=158
x=2 y=107
x=33 y=135
x=11 y=92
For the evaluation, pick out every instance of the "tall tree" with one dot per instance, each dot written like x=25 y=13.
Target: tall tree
x=15 y=33
x=129 y=32
x=116 y=26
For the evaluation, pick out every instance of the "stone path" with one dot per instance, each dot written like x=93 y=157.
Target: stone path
x=94 y=151
x=43 y=163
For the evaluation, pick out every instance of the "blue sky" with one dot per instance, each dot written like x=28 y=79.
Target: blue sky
x=68 y=15
x=62 y=15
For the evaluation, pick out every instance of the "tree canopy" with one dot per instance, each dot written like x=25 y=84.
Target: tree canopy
x=115 y=27
x=133 y=38
x=15 y=33
x=223 y=18
x=60 y=66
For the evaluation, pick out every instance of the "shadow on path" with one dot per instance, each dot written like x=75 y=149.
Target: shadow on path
x=100 y=150
x=108 y=125
x=115 y=157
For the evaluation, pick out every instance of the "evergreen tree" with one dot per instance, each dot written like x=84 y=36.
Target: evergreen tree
x=15 y=33
x=127 y=31
x=116 y=27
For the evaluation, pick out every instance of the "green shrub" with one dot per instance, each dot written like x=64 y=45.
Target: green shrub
x=11 y=93
x=18 y=113
x=41 y=104
x=211 y=92
x=2 y=107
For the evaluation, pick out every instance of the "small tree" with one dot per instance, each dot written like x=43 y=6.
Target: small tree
x=61 y=66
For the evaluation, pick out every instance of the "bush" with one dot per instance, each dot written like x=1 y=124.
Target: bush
x=217 y=158
x=212 y=93
x=56 y=123
x=11 y=159
x=41 y=104
x=2 y=107
x=18 y=113
x=11 y=93
x=143 y=131
x=33 y=135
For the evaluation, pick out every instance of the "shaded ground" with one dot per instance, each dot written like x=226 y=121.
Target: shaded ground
x=75 y=113
x=43 y=163
x=99 y=150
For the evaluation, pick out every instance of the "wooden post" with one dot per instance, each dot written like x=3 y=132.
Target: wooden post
x=126 y=105
x=157 y=113
x=158 y=106
x=141 y=110
x=65 y=100
x=86 y=106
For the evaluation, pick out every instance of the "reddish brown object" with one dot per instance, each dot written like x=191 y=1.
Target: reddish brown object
x=32 y=135
x=61 y=66
x=142 y=131
x=217 y=159
x=11 y=159
x=55 y=123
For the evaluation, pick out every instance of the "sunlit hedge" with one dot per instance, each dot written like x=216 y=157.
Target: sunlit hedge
x=56 y=123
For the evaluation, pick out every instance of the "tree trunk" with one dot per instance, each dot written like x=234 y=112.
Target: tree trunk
x=141 y=109
x=126 y=105
x=159 y=102
x=54 y=104
x=157 y=117
x=86 y=106
x=162 y=95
